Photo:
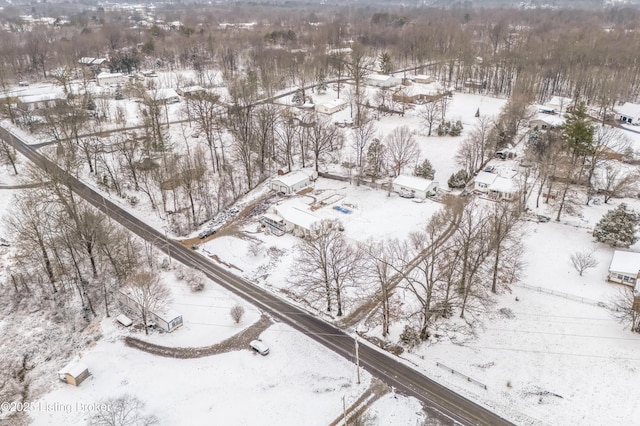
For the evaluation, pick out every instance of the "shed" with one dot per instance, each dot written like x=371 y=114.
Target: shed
x=124 y=320
x=74 y=373
x=419 y=187
x=109 y=79
x=624 y=267
x=293 y=182
x=380 y=80
x=332 y=106
x=629 y=113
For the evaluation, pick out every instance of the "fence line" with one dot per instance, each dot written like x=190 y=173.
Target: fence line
x=457 y=373
x=565 y=295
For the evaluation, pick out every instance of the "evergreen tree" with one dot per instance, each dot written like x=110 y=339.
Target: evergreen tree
x=578 y=132
x=618 y=227
x=375 y=158
x=385 y=63
x=459 y=179
x=425 y=170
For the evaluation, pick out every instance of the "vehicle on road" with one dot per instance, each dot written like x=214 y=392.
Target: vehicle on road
x=259 y=346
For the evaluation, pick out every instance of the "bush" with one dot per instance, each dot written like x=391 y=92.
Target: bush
x=425 y=170
x=409 y=336
x=236 y=313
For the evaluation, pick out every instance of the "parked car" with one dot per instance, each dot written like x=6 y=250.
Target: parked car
x=543 y=219
x=206 y=233
x=406 y=194
x=259 y=346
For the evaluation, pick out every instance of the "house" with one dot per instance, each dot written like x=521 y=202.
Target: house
x=629 y=113
x=109 y=79
x=166 y=319
x=190 y=91
x=419 y=92
x=559 y=104
x=544 y=121
x=332 y=106
x=380 y=80
x=294 y=181
x=296 y=217
x=417 y=186
x=168 y=96
x=44 y=100
x=92 y=62
x=74 y=373
x=421 y=78
x=624 y=268
x=274 y=222
x=494 y=186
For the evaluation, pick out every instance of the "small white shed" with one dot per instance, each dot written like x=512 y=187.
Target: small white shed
x=294 y=181
x=332 y=106
x=419 y=187
x=74 y=373
x=629 y=113
x=624 y=267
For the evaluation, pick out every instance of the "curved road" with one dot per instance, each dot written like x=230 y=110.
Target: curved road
x=439 y=401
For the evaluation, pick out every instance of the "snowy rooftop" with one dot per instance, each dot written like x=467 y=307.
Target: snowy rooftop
x=380 y=77
x=550 y=119
x=559 y=102
x=486 y=177
x=502 y=184
x=298 y=214
x=625 y=261
x=28 y=99
x=334 y=103
x=161 y=94
x=414 y=182
x=109 y=74
x=293 y=178
x=629 y=109
x=74 y=369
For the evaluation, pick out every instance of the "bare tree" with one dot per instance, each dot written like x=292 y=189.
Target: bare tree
x=583 y=260
x=402 y=148
x=503 y=223
x=625 y=307
x=430 y=114
x=362 y=135
x=236 y=313
x=323 y=138
x=616 y=181
x=125 y=410
x=149 y=294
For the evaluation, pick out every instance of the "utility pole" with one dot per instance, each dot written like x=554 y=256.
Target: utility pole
x=357 y=360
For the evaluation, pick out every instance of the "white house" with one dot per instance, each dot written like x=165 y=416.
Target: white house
x=546 y=121
x=419 y=187
x=559 y=104
x=44 y=100
x=294 y=181
x=92 y=62
x=332 y=106
x=109 y=79
x=624 y=267
x=74 y=373
x=421 y=78
x=296 y=217
x=495 y=186
x=167 y=319
x=168 y=96
x=629 y=113
x=380 y=80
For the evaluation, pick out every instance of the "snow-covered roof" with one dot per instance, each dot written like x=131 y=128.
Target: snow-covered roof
x=550 y=119
x=627 y=262
x=43 y=97
x=379 y=77
x=163 y=94
x=422 y=77
x=413 y=182
x=334 y=103
x=272 y=217
x=503 y=185
x=293 y=178
x=485 y=177
x=92 y=61
x=629 y=109
x=74 y=368
x=559 y=102
x=192 y=89
x=109 y=74
x=298 y=215
x=167 y=315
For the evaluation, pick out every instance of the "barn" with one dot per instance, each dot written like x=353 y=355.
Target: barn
x=417 y=186
x=294 y=181
x=74 y=373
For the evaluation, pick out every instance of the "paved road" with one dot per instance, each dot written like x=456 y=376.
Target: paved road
x=439 y=401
